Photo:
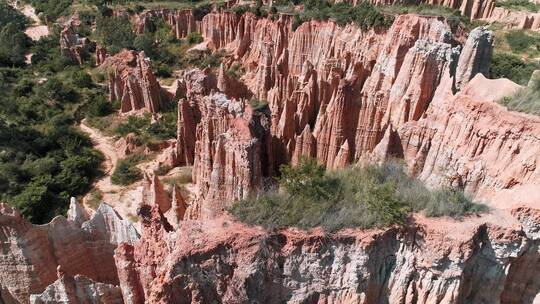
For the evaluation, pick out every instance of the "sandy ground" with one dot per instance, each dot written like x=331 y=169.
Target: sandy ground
x=124 y=199
x=38 y=30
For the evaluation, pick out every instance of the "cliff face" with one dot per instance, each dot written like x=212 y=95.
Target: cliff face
x=132 y=82
x=222 y=138
x=73 y=46
x=223 y=261
x=473 y=143
x=339 y=94
x=332 y=93
x=77 y=245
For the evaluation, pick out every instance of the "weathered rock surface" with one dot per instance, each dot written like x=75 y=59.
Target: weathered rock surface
x=132 y=82
x=181 y=21
x=473 y=143
x=73 y=46
x=154 y=194
x=341 y=95
x=29 y=263
x=223 y=261
x=475 y=57
x=78 y=289
x=224 y=137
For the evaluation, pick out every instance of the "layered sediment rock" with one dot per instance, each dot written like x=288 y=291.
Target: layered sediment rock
x=78 y=289
x=475 y=57
x=332 y=93
x=33 y=253
x=132 y=82
x=224 y=261
x=225 y=137
x=153 y=193
x=473 y=143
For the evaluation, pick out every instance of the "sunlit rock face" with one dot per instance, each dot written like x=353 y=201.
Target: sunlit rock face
x=132 y=82
x=220 y=260
x=33 y=253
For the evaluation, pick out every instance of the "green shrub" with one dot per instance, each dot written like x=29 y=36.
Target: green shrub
x=14 y=43
x=115 y=33
x=163 y=170
x=363 y=15
x=370 y=196
x=44 y=159
x=82 y=79
x=504 y=65
x=258 y=105
x=200 y=59
x=201 y=10
x=450 y=202
x=126 y=173
x=134 y=124
x=194 y=38
x=518 y=5
x=51 y=9
x=519 y=41
x=526 y=100
x=99 y=107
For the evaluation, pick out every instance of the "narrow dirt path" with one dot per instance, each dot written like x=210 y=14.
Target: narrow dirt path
x=37 y=29
x=103 y=144
x=124 y=199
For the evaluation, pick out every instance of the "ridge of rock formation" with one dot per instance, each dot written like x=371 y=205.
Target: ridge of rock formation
x=35 y=252
x=182 y=22
x=220 y=260
x=332 y=100
x=154 y=194
x=132 y=82
x=472 y=143
x=221 y=137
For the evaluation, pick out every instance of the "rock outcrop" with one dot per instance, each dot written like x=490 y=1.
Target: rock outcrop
x=475 y=57
x=222 y=137
x=223 y=261
x=473 y=143
x=153 y=193
x=182 y=22
x=332 y=92
x=73 y=46
x=132 y=82
x=33 y=253
x=78 y=289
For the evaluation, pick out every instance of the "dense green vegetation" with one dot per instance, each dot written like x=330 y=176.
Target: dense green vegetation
x=126 y=172
x=520 y=41
x=525 y=100
x=453 y=16
x=115 y=33
x=354 y=197
x=519 y=5
x=14 y=42
x=50 y=10
x=515 y=54
x=512 y=67
x=364 y=14
x=44 y=159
